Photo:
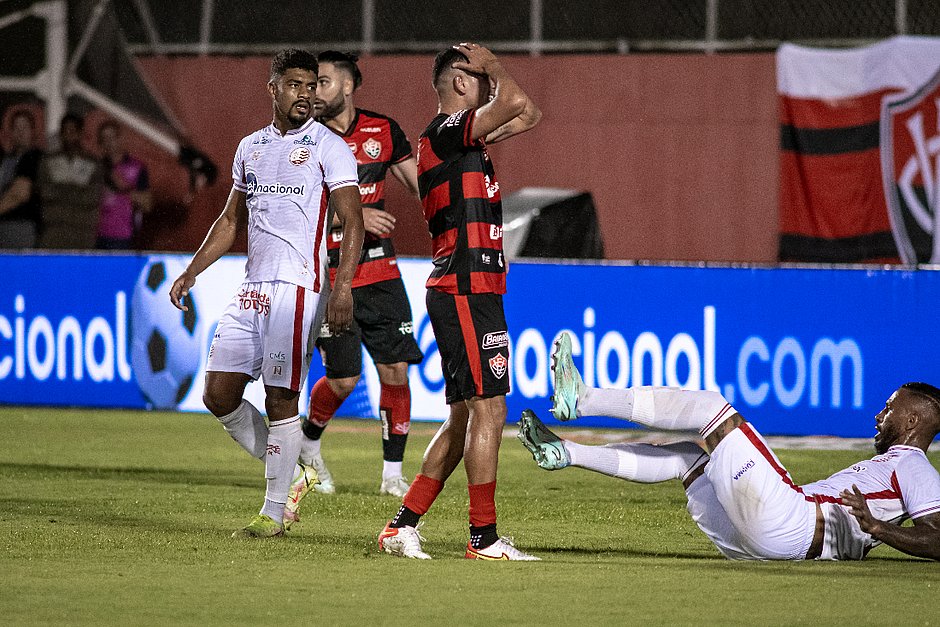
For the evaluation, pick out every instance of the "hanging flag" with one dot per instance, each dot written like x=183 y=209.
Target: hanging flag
x=859 y=140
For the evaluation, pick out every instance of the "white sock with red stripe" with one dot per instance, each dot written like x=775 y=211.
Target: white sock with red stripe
x=670 y=409
x=634 y=461
x=247 y=427
x=283 y=449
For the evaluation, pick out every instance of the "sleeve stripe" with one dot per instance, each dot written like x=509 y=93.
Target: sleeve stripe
x=239 y=185
x=338 y=184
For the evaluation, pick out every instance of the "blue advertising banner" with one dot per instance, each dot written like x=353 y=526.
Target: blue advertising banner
x=798 y=351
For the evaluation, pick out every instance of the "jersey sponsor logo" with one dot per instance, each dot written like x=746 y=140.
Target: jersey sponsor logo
x=496 y=232
x=353 y=146
x=255 y=187
x=299 y=155
x=365 y=190
x=262 y=141
x=371 y=129
x=372 y=147
x=498 y=365
x=273 y=449
x=743 y=469
x=278 y=356
x=254 y=300
x=305 y=141
x=455 y=118
x=497 y=339
x=406 y=327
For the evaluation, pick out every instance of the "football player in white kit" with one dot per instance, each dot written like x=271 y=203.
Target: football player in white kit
x=284 y=178
x=738 y=492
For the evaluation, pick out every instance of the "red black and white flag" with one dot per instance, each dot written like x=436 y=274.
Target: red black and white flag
x=860 y=152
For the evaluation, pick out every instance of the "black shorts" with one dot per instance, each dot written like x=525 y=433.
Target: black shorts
x=473 y=342
x=381 y=321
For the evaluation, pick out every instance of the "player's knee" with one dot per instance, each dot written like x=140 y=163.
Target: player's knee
x=219 y=404
x=345 y=386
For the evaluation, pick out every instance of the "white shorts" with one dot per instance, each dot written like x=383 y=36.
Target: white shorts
x=265 y=332
x=750 y=508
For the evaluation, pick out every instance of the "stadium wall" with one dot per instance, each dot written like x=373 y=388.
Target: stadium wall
x=798 y=351
x=679 y=151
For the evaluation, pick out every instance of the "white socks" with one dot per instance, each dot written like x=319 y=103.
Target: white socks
x=643 y=463
x=283 y=449
x=247 y=427
x=671 y=409
x=308 y=449
x=391 y=469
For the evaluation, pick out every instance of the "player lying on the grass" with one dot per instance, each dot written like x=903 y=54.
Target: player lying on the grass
x=739 y=494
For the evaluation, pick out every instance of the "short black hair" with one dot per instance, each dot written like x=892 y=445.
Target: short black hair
x=72 y=118
x=292 y=58
x=346 y=61
x=444 y=59
x=927 y=391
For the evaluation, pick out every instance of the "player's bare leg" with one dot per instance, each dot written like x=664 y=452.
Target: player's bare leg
x=481 y=458
x=400 y=536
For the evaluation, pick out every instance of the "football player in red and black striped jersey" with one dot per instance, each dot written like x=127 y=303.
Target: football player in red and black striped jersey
x=382 y=314
x=479 y=104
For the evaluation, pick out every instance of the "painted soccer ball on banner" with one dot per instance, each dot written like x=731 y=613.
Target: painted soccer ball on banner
x=165 y=342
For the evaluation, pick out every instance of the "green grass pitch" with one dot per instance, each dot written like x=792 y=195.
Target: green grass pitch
x=113 y=517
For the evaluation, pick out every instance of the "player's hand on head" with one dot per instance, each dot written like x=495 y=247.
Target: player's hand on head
x=339 y=310
x=377 y=221
x=180 y=289
x=479 y=58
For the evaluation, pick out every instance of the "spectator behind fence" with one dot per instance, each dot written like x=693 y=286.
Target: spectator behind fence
x=20 y=209
x=69 y=185
x=125 y=196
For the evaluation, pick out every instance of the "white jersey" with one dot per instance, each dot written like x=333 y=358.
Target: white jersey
x=897 y=485
x=287 y=180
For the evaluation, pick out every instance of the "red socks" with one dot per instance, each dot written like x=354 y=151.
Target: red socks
x=482 y=504
x=422 y=493
x=323 y=403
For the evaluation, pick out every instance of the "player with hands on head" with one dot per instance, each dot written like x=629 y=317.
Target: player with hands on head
x=284 y=177
x=739 y=494
x=479 y=103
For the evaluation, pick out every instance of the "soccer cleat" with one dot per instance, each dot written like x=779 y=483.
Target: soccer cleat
x=547 y=449
x=305 y=478
x=501 y=550
x=396 y=486
x=403 y=542
x=566 y=380
x=325 y=485
x=261 y=526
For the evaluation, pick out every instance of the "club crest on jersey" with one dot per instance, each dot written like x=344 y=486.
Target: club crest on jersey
x=910 y=166
x=498 y=365
x=372 y=147
x=299 y=155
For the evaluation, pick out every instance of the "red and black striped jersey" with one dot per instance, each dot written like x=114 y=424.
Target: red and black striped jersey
x=462 y=206
x=378 y=143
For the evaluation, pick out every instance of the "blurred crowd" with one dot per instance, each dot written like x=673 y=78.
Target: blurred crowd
x=69 y=197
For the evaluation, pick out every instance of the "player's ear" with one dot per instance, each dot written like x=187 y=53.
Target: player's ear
x=272 y=89
x=460 y=83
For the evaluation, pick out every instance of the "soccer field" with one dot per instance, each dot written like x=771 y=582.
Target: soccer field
x=124 y=518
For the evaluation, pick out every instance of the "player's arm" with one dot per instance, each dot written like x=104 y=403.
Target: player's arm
x=346 y=203
x=510 y=111
x=18 y=193
x=921 y=540
x=407 y=174
x=218 y=241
